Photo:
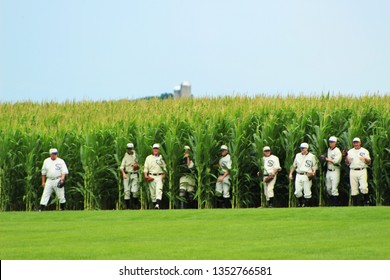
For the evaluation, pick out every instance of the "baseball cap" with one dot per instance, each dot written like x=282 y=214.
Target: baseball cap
x=356 y=139
x=187 y=148
x=224 y=147
x=130 y=145
x=266 y=148
x=332 y=139
x=304 y=145
x=53 y=151
x=156 y=146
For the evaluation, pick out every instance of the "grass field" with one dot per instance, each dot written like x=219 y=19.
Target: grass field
x=344 y=233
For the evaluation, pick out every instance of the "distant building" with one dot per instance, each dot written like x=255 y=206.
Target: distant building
x=176 y=92
x=182 y=91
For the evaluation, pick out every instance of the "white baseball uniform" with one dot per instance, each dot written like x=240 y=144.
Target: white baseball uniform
x=223 y=188
x=358 y=170
x=271 y=167
x=304 y=164
x=333 y=171
x=155 y=167
x=130 y=184
x=53 y=170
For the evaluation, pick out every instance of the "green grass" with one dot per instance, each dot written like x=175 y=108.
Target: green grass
x=344 y=233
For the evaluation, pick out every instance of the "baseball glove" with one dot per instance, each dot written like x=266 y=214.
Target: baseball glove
x=268 y=179
x=60 y=184
x=149 y=179
x=135 y=166
x=310 y=176
x=322 y=158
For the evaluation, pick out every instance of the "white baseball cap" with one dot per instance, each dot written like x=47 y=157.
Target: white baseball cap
x=304 y=145
x=224 y=147
x=356 y=139
x=187 y=148
x=156 y=146
x=130 y=145
x=332 y=139
x=266 y=148
x=53 y=151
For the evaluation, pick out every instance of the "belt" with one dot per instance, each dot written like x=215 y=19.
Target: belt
x=331 y=169
x=53 y=178
x=135 y=172
x=302 y=173
x=156 y=174
x=358 y=168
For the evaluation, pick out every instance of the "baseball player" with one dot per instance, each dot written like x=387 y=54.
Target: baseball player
x=358 y=160
x=222 y=187
x=187 y=181
x=271 y=169
x=53 y=171
x=305 y=164
x=129 y=169
x=332 y=179
x=154 y=173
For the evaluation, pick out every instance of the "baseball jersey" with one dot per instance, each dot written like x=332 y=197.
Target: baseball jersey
x=184 y=167
x=128 y=161
x=154 y=164
x=54 y=168
x=355 y=161
x=335 y=155
x=305 y=163
x=225 y=164
x=271 y=164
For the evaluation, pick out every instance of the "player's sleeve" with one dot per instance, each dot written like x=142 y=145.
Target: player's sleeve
x=43 y=171
x=338 y=157
x=123 y=163
x=277 y=164
x=64 y=168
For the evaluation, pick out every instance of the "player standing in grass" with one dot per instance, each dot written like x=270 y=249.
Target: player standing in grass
x=305 y=164
x=332 y=179
x=129 y=169
x=53 y=171
x=222 y=187
x=358 y=159
x=271 y=169
x=154 y=173
x=187 y=181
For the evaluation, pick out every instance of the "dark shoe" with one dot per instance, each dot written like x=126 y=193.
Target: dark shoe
x=271 y=202
x=366 y=200
x=354 y=200
x=227 y=203
x=127 y=203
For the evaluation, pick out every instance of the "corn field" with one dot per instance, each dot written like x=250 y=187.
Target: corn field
x=91 y=137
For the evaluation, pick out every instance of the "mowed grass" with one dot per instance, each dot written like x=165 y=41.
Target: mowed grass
x=344 y=233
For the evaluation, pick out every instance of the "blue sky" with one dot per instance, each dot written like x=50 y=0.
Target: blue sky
x=111 y=49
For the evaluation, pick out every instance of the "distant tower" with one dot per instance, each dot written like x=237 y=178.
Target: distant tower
x=185 y=91
x=176 y=92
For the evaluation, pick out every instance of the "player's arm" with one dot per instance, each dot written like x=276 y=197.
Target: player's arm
x=43 y=180
x=292 y=169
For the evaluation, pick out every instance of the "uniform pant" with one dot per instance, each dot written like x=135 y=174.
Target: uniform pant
x=156 y=187
x=302 y=186
x=332 y=182
x=50 y=186
x=358 y=181
x=187 y=183
x=223 y=188
x=131 y=185
x=269 y=189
